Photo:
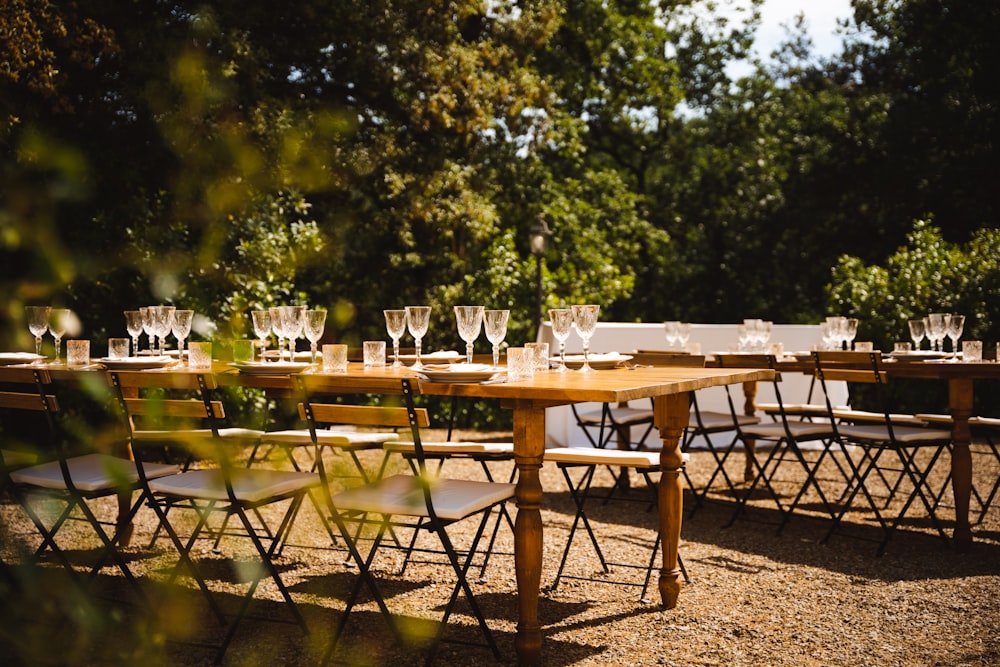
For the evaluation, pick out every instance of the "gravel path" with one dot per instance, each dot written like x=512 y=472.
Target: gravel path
x=756 y=597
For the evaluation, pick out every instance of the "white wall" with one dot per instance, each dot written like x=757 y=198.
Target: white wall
x=625 y=337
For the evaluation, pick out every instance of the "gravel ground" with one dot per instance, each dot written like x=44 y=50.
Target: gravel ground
x=756 y=597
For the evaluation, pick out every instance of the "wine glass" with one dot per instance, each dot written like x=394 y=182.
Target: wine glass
x=917 y=330
x=38 y=324
x=936 y=329
x=683 y=334
x=954 y=331
x=148 y=326
x=278 y=327
x=495 y=322
x=163 y=318
x=850 y=331
x=294 y=325
x=261 y=328
x=180 y=327
x=562 y=325
x=133 y=324
x=418 y=319
x=314 y=322
x=395 y=325
x=585 y=321
x=59 y=321
x=670 y=331
x=470 y=322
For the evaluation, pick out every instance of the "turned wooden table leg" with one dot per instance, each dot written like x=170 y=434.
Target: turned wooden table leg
x=750 y=451
x=960 y=400
x=671 y=416
x=529 y=446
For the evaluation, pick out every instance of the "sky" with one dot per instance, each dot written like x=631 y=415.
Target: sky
x=821 y=21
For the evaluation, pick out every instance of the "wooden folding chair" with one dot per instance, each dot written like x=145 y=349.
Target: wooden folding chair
x=877 y=439
x=226 y=488
x=590 y=459
x=421 y=501
x=73 y=480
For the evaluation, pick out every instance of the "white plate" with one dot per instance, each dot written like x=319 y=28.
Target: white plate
x=441 y=356
x=12 y=358
x=597 y=361
x=460 y=373
x=270 y=367
x=135 y=363
x=917 y=355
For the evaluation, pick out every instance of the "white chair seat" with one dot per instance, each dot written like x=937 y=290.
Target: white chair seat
x=611 y=457
x=243 y=435
x=452 y=448
x=722 y=421
x=453 y=499
x=878 y=417
x=90 y=473
x=344 y=439
x=799 y=430
x=903 y=434
x=250 y=485
x=622 y=416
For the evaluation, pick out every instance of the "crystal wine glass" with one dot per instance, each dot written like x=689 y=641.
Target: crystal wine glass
x=59 y=320
x=38 y=324
x=314 y=324
x=294 y=324
x=148 y=326
x=133 y=325
x=180 y=327
x=585 y=321
x=278 y=327
x=683 y=334
x=395 y=326
x=954 y=331
x=470 y=322
x=562 y=325
x=495 y=323
x=917 y=331
x=850 y=331
x=936 y=328
x=418 y=319
x=162 y=318
x=261 y=328
x=670 y=332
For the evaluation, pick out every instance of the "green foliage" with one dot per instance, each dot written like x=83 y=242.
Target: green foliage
x=928 y=274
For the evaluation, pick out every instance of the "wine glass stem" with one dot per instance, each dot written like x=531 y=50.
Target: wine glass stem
x=58 y=347
x=468 y=352
x=38 y=345
x=496 y=355
x=416 y=345
x=395 y=353
x=312 y=353
x=562 y=355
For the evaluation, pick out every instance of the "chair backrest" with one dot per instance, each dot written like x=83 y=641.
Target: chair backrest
x=853 y=368
x=175 y=401
x=27 y=390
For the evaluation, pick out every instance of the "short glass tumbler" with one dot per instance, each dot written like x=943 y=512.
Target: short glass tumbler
x=374 y=353
x=118 y=348
x=77 y=353
x=334 y=358
x=200 y=355
x=972 y=350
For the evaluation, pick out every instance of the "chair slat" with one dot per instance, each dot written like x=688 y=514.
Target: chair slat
x=364 y=415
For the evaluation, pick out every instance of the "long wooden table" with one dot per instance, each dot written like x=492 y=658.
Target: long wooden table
x=961 y=377
x=668 y=387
